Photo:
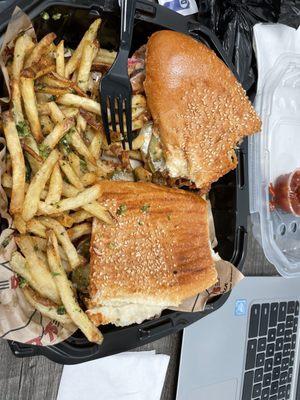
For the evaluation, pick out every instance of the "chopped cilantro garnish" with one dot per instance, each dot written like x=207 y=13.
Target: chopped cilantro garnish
x=122 y=209
x=45 y=15
x=52 y=97
x=66 y=140
x=56 y=16
x=35 y=247
x=22 y=282
x=61 y=310
x=44 y=150
x=55 y=273
x=40 y=86
x=23 y=129
x=145 y=208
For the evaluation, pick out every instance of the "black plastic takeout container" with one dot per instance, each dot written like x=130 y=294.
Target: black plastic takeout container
x=229 y=196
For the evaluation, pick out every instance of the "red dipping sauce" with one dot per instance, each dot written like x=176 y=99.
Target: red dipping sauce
x=286 y=192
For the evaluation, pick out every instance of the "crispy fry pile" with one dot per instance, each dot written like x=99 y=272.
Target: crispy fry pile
x=57 y=153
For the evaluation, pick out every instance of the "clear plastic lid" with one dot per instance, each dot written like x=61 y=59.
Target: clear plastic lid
x=274 y=167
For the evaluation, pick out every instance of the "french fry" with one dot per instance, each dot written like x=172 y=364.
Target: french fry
x=65 y=220
x=58 y=132
x=19 y=224
x=37 y=185
x=16 y=101
x=138 y=100
x=74 y=161
x=79 y=230
x=19 y=265
x=66 y=292
x=90 y=35
x=46 y=124
x=69 y=112
x=46 y=307
x=46 y=70
x=71 y=175
x=54 y=91
x=38 y=270
x=41 y=245
x=89 y=52
x=64 y=240
x=36 y=227
x=80 y=216
x=81 y=123
x=6 y=180
x=74 y=100
x=33 y=154
x=23 y=45
x=40 y=49
x=55 y=186
x=87 y=196
x=69 y=190
x=54 y=81
x=18 y=163
x=95 y=146
x=56 y=114
x=60 y=58
x=35 y=165
x=89 y=178
x=30 y=104
x=78 y=144
x=91 y=120
x=104 y=58
x=98 y=211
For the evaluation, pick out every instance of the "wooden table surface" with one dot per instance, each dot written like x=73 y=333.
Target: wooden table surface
x=37 y=378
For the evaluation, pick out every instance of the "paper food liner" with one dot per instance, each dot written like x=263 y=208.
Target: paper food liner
x=19 y=321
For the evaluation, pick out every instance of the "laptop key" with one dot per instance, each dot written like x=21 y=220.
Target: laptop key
x=279 y=344
x=295 y=326
x=264 y=319
x=288 y=335
x=294 y=341
x=281 y=392
x=268 y=365
x=273 y=315
x=265 y=394
x=286 y=350
x=292 y=358
x=283 y=378
x=270 y=350
x=267 y=380
x=282 y=312
x=288 y=392
x=271 y=335
x=274 y=387
x=261 y=345
x=290 y=375
x=285 y=364
x=260 y=359
x=248 y=385
x=297 y=308
x=280 y=329
x=289 y=321
x=251 y=353
x=254 y=320
x=258 y=375
x=276 y=373
x=291 y=307
x=256 y=390
x=277 y=358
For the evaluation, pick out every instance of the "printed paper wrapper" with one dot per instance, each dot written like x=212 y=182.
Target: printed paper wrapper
x=18 y=320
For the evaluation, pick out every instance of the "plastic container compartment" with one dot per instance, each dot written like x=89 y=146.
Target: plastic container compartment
x=272 y=154
x=229 y=196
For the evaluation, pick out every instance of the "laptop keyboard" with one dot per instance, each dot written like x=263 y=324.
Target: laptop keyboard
x=271 y=351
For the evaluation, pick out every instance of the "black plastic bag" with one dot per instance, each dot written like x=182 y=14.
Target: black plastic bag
x=233 y=20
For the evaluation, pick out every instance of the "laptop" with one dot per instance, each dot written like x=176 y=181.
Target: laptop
x=248 y=349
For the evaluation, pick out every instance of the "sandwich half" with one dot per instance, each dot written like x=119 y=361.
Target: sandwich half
x=199 y=110
x=156 y=254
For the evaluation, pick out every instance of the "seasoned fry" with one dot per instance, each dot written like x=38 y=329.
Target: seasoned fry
x=80 y=216
x=40 y=49
x=41 y=245
x=69 y=112
x=30 y=151
x=54 y=91
x=81 y=123
x=46 y=307
x=104 y=58
x=46 y=124
x=18 y=163
x=98 y=211
x=30 y=104
x=70 y=99
x=90 y=35
x=67 y=295
x=71 y=175
x=19 y=224
x=90 y=178
x=60 y=58
x=91 y=120
x=36 y=227
x=16 y=101
x=19 y=265
x=95 y=146
x=23 y=45
x=64 y=240
x=55 y=186
x=74 y=161
x=56 y=114
x=37 y=185
x=79 y=230
x=58 y=132
x=69 y=190
x=65 y=220
x=38 y=270
x=87 y=196
x=81 y=148
x=35 y=165
x=89 y=52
